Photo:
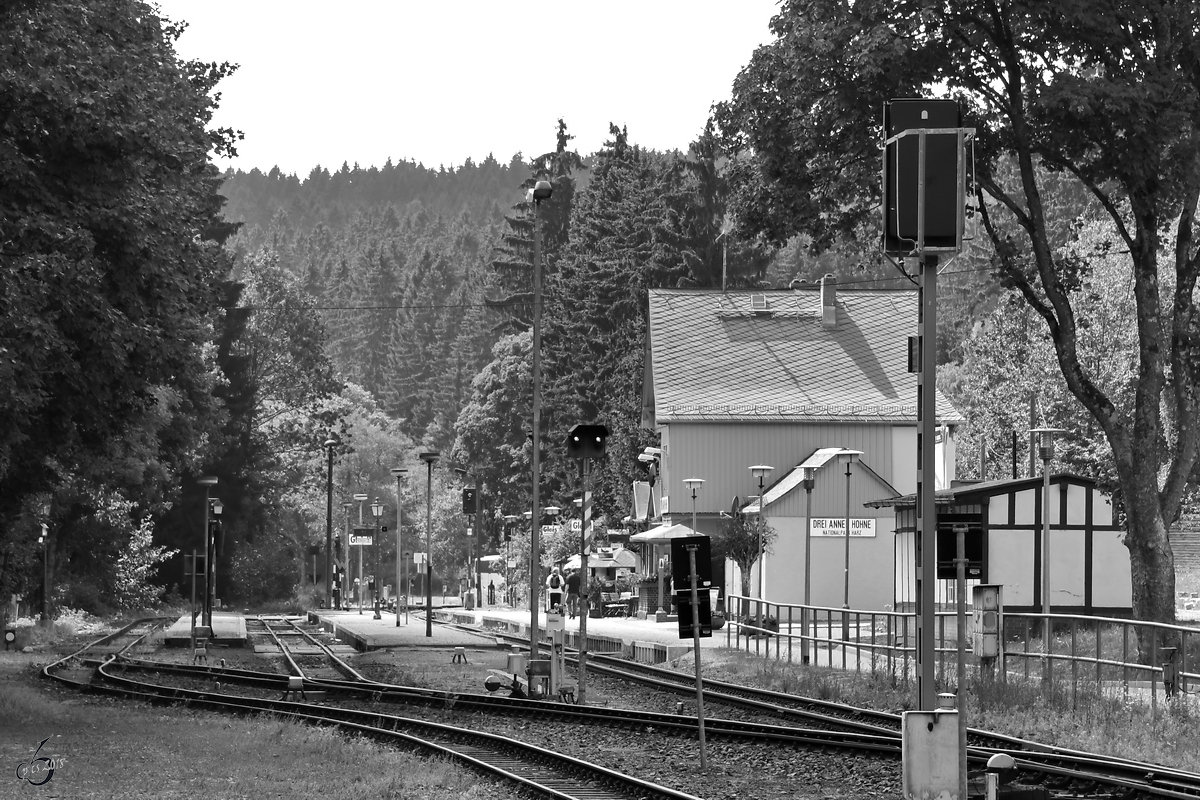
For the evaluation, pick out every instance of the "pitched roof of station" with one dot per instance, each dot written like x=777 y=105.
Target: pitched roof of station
x=765 y=356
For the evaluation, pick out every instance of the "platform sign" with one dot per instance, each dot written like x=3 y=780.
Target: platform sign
x=680 y=573
x=197 y=569
x=418 y=558
x=362 y=537
x=683 y=603
x=947 y=545
x=836 y=526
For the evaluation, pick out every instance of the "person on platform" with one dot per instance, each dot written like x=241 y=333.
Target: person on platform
x=573 y=581
x=554 y=591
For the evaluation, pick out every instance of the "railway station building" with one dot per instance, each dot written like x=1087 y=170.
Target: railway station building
x=811 y=376
x=1089 y=563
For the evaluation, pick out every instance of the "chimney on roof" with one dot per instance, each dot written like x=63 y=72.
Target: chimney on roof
x=829 y=302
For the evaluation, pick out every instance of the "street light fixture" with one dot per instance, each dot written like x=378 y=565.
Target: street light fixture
x=1046 y=451
x=810 y=480
x=398 y=473
x=694 y=484
x=329 y=445
x=359 y=582
x=208 y=481
x=851 y=457
x=377 y=512
x=761 y=471
x=44 y=541
x=541 y=191
x=510 y=521
x=430 y=458
x=345 y=577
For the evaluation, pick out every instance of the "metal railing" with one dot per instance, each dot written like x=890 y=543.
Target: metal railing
x=1104 y=651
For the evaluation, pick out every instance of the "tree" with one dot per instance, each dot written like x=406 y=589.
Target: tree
x=743 y=540
x=512 y=263
x=1105 y=96
x=109 y=263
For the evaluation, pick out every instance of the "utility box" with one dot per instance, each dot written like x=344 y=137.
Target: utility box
x=987 y=617
x=930 y=755
x=516 y=664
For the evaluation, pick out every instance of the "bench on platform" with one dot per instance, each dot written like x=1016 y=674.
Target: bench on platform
x=616 y=604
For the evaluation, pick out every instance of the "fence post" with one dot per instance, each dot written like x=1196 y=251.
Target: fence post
x=1074 y=663
x=1153 y=674
x=1026 y=659
x=1125 y=658
x=790 y=634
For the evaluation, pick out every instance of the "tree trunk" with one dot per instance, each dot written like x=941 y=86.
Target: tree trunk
x=744 y=573
x=1152 y=565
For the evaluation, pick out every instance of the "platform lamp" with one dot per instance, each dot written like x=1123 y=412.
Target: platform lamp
x=810 y=480
x=329 y=445
x=44 y=541
x=360 y=583
x=510 y=522
x=851 y=457
x=1046 y=451
x=214 y=530
x=694 y=484
x=208 y=481
x=377 y=512
x=430 y=458
x=398 y=473
x=761 y=471
x=542 y=190
x=345 y=583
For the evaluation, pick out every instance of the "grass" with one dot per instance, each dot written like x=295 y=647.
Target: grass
x=1087 y=719
x=110 y=750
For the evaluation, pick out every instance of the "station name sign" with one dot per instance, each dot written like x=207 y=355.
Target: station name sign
x=836 y=526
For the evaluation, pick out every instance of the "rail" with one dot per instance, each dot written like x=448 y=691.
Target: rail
x=1110 y=651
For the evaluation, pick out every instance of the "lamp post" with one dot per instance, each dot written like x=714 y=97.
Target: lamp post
x=850 y=455
x=761 y=471
x=1046 y=451
x=529 y=517
x=377 y=512
x=214 y=529
x=329 y=445
x=398 y=473
x=360 y=583
x=208 y=481
x=346 y=558
x=693 y=484
x=542 y=190
x=510 y=521
x=44 y=541
x=430 y=458
x=810 y=479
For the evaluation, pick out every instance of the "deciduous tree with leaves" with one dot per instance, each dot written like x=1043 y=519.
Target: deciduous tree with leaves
x=1105 y=95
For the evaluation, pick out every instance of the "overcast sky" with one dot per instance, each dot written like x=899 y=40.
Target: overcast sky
x=439 y=81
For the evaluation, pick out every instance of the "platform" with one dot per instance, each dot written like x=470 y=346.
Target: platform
x=229 y=630
x=364 y=632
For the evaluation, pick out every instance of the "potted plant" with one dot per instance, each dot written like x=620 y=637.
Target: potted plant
x=595 y=601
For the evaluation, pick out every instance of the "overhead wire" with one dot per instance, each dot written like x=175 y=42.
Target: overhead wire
x=425 y=306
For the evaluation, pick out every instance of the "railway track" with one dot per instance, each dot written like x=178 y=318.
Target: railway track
x=540 y=771
x=306 y=655
x=1066 y=773
x=1063 y=770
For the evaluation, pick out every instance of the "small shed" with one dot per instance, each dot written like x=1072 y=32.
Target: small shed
x=1089 y=563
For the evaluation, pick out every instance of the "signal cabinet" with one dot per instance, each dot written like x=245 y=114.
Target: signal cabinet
x=987 y=616
x=902 y=174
